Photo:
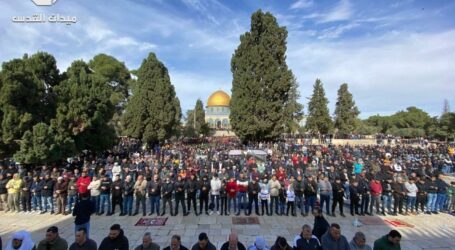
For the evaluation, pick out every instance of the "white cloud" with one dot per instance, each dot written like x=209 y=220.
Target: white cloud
x=342 y=11
x=206 y=7
x=127 y=43
x=385 y=74
x=336 y=31
x=97 y=30
x=302 y=4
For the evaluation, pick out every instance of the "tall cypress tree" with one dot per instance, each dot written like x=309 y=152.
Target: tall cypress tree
x=318 y=120
x=293 y=108
x=196 y=120
x=345 y=112
x=153 y=113
x=261 y=81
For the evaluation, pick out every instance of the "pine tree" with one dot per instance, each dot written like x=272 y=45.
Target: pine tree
x=83 y=112
x=318 y=120
x=197 y=122
x=117 y=77
x=261 y=81
x=293 y=108
x=38 y=146
x=345 y=112
x=446 y=107
x=26 y=97
x=153 y=113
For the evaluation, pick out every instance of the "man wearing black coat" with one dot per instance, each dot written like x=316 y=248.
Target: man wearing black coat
x=307 y=242
x=354 y=197
x=154 y=192
x=116 y=190
x=233 y=243
x=166 y=191
x=204 y=195
x=299 y=187
x=253 y=192
x=83 y=210
x=364 y=191
x=338 y=193
x=399 y=191
x=179 y=187
x=310 y=193
x=192 y=186
x=4 y=192
x=176 y=244
x=115 y=240
x=26 y=198
x=203 y=243
x=321 y=225
x=47 y=194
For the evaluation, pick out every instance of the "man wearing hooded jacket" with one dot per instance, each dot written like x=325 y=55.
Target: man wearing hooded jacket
x=115 y=240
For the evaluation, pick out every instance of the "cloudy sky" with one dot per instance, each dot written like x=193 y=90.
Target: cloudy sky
x=393 y=54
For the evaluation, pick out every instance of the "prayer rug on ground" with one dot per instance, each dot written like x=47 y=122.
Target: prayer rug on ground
x=147 y=222
x=398 y=223
x=245 y=220
x=371 y=220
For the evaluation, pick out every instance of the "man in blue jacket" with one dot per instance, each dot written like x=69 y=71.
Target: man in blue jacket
x=307 y=242
x=333 y=240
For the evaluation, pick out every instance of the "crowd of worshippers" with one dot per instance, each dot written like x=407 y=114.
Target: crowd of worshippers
x=195 y=179
x=118 y=240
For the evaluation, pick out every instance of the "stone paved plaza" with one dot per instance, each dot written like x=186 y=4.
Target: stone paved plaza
x=430 y=231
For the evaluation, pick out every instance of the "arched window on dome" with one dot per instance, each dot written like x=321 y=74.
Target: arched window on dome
x=225 y=123
x=210 y=122
x=218 y=124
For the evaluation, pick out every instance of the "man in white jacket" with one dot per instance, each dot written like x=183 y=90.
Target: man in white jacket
x=215 y=186
x=116 y=169
x=95 y=192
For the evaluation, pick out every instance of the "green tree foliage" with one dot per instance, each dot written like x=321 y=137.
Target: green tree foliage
x=382 y=123
x=261 y=81
x=345 y=112
x=26 y=96
x=294 y=109
x=189 y=130
x=443 y=128
x=83 y=112
x=38 y=146
x=318 y=120
x=196 y=124
x=446 y=107
x=411 y=118
x=153 y=113
x=413 y=122
x=117 y=77
x=115 y=74
x=363 y=128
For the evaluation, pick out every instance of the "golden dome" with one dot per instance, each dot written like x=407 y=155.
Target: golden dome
x=219 y=98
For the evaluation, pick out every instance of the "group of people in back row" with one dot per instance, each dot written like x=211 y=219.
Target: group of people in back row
x=280 y=192
x=331 y=239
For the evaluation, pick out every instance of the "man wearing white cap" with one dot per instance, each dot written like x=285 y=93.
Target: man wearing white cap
x=20 y=240
x=259 y=244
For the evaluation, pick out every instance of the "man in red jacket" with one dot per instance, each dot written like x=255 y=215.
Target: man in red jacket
x=82 y=184
x=281 y=174
x=231 y=188
x=376 y=192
